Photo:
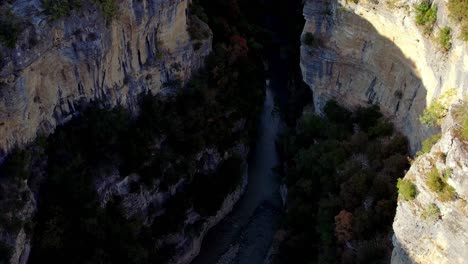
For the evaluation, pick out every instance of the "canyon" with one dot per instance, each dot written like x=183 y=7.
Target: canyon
x=362 y=53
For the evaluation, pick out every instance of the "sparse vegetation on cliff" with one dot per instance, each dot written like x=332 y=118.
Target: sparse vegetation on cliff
x=434 y=114
x=437 y=183
x=10 y=27
x=349 y=163
x=428 y=143
x=459 y=12
x=407 y=189
x=431 y=213
x=426 y=16
x=109 y=8
x=444 y=38
x=57 y=9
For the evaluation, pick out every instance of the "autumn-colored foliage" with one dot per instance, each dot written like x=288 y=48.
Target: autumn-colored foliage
x=343 y=226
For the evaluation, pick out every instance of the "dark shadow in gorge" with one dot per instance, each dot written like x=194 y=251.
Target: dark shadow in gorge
x=245 y=235
x=348 y=51
x=371 y=59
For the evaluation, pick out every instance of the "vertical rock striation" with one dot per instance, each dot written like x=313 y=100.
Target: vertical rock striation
x=367 y=53
x=372 y=52
x=57 y=66
x=445 y=238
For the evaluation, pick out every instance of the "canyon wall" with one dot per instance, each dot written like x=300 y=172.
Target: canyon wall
x=371 y=53
x=56 y=66
x=440 y=236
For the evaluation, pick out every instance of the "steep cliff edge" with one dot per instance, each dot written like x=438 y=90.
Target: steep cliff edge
x=373 y=52
x=440 y=234
x=56 y=65
x=368 y=53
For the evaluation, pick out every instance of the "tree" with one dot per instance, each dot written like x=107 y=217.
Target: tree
x=343 y=226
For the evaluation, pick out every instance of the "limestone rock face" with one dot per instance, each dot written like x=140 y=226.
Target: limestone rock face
x=57 y=66
x=374 y=53
x=445 y=239
x=369 y=53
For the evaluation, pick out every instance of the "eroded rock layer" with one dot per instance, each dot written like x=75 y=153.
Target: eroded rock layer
x=58 y=65
x=369 y=53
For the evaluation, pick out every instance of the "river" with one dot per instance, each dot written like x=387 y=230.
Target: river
x=245 y=235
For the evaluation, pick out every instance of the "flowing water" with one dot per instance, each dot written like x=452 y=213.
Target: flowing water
x=245 y=235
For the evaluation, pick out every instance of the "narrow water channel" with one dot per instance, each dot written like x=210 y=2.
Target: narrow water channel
x=245 y=235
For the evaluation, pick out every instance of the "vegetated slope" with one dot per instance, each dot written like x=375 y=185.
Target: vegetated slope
x=111 y=187
x=341 y=171
x=61 y=54
x=433 y=225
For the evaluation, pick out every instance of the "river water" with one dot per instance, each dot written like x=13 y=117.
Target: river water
x=245 y=235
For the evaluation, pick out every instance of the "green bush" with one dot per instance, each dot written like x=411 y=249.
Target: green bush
x=309 y=39
x=109 y=8
x=426 y=15
x=57 y=9
x=428 y=143
x=10 y=27
x=431 y=213
x=438 y=184
x=433 y=115
x=407 y=189
x=459 y=12
x=444 y=38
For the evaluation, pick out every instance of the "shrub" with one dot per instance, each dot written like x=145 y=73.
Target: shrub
x=444 y=38
x=431 y=214
x=382 y=128
x=57 y=9
x=428 y=143
x=432 y=116
x=426 y=15
x=109 y=8
x=10 y=27
x=459 y=12
x=367 y=117
x=309 y=39
x=438 y=184
x=407 y=189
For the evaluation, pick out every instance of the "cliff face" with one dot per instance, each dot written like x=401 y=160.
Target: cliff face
x=57 y=66
x=444 y=238
x=374 y=53
x=369 y=53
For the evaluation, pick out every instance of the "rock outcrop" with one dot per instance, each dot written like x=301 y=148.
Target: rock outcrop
x=56 y=66
x=444 y=238
x=372 y=52
x=369 y=53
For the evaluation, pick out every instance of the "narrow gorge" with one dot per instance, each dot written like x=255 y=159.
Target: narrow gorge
x=229 y=132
